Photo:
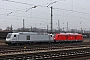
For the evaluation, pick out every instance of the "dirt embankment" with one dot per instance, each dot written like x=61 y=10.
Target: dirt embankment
x=2 y=42
x=86 y=40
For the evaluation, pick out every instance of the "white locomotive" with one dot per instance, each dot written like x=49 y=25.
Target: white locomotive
x=28 y=38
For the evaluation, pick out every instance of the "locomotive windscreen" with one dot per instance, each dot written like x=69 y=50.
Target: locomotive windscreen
x=9 y=35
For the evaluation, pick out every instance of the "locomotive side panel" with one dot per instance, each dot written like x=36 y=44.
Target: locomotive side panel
x=71 y=37
x=40 y=38
x=35 y=37
x=79 y=37
x=61 y=37
x=68 y=37
x=22 y=38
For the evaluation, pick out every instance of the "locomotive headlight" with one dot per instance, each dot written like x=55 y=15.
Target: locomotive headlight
x=7 y=39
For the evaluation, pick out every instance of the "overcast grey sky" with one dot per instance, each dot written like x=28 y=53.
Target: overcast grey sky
x=75 y=12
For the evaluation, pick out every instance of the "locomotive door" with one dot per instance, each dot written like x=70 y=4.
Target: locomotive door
x=51 y=36
x=15 y=37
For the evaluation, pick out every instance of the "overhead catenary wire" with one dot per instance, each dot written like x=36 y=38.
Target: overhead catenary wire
x=23 y=3
x=55 y=15
x=23 y=16
x=72 y=11
x=47 y=6
x=43 y=13
x=74 y=5
x=66 y=10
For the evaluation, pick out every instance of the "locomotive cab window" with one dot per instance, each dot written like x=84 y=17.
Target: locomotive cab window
x=14 y=35
x=51 y=35
x=9 y=35
x=28 y=37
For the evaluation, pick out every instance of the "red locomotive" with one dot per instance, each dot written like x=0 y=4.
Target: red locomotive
x=68 y=37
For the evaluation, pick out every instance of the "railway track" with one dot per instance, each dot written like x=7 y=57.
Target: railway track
x=11 y=49
x=58 y=54
x=5 y=50
x=80 y=58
